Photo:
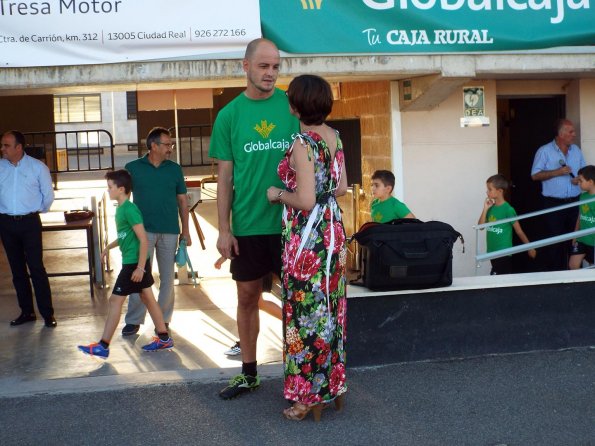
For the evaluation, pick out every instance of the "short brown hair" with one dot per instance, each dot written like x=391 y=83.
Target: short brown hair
x=121 y=178
x=19 y=138
x=155 y=135
x=587 y=172
x=253 y=46
x=385 y=176
x=499 y=182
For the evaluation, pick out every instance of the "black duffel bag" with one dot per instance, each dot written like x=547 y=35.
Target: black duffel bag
x=406 y=254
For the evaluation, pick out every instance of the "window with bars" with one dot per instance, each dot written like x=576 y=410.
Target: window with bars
x=77 y=108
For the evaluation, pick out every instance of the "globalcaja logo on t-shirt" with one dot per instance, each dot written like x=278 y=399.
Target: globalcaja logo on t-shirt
x=311 y=4
x=494 y=229
x=587 y=218
x=264 y=129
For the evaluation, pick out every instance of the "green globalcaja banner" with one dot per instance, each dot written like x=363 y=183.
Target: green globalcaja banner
x=422 y=26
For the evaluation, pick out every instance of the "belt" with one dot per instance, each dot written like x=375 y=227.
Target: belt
x=562 y=200
x=19 y=217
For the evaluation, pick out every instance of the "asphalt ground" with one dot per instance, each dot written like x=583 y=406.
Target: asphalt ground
x=537 y=398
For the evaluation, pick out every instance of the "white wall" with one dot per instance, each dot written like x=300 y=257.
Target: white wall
x=445 y=168
x=587 y=118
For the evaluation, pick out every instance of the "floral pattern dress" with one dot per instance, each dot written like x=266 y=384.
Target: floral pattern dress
x=314 y=282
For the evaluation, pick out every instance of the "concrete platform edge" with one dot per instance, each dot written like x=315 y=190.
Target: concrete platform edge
x=13 y=388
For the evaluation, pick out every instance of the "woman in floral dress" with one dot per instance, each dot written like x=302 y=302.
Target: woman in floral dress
x=314 y=254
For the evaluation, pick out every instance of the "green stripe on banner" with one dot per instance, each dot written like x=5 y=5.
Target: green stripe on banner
x=422 y=26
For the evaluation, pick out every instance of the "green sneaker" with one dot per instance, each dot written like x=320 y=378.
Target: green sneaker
x=240 y=384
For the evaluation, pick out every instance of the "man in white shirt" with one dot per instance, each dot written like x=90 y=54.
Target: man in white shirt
x=25 y=191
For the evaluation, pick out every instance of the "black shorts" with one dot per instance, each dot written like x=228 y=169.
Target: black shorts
x=501 y=265
x=581 y=248
x=124 y=286
x=259 y=256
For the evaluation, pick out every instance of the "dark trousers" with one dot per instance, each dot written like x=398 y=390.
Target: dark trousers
x=501 y=265
x=557 y=223
x=22 y=242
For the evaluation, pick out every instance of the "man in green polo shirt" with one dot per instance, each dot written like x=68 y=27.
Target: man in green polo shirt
x=159 y=191
x=250 y=137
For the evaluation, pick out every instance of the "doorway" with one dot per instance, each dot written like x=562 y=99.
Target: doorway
x=524 y=125
x=350 y=130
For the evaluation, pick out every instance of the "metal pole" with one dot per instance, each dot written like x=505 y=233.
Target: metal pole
x=176 y=126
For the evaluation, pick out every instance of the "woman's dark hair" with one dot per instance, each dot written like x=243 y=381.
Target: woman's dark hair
x=310 y=96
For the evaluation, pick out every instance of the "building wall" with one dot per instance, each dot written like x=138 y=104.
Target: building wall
x=445 y=168
x=371 y=103
x=587 y=118
x=27 y=113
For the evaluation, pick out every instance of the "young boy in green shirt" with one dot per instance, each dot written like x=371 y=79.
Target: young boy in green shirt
x=582 y=247
x=384 y=206
x=499 y=236
x=135 y=276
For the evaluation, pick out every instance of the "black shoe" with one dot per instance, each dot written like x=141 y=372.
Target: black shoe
x=166 y=327
x=240 y=384
x=130 y=329
x=23 y=318
x=50 y=322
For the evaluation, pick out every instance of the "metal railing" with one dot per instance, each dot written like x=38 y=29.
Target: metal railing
x=100 y=237
x=479 y=257
x=349 y=204
x=72 y=150
x=193 y=141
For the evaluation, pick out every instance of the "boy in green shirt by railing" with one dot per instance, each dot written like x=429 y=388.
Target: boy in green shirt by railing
x=499 y=237
x=582 y=247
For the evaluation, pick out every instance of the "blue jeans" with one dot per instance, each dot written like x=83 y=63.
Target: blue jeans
x=163 y=247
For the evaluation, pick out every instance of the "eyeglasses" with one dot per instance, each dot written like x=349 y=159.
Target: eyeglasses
x=167 y=144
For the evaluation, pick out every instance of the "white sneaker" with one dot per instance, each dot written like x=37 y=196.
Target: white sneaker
x=234 y=350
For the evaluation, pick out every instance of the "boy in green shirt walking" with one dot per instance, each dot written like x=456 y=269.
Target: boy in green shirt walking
x=135 y=276
x=499 y=236
x=583 y=247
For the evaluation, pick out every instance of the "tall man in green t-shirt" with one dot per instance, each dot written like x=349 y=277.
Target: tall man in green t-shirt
x=159 y=191
x=249 y=138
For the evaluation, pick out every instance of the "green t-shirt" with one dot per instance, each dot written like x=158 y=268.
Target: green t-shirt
x=387 y=210
x=499 y=236
x=128 y=215
x=587 y=219
x=155 y=191
x=254 y=134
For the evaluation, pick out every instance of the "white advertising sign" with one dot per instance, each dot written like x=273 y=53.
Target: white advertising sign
x=73 y=32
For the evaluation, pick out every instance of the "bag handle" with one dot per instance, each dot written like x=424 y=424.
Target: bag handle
x=404 y=221
x=183 y=259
